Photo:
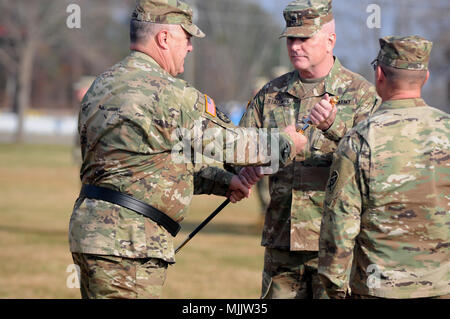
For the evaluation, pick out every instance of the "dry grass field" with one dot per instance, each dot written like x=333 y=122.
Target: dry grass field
x=38 y=185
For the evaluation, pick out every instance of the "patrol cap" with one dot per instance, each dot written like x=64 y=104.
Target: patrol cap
x=304 y=18
x=410 y=52
x=167 y=12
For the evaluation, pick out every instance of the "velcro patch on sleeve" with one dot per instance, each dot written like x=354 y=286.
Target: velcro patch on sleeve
x=210 y=106
x=332 y=181
x=341 y=176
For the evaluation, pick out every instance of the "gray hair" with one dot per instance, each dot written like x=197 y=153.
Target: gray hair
x=141 y=31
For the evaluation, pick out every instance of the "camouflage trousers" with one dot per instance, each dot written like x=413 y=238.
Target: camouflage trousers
x=291 y=275
x=107 y=277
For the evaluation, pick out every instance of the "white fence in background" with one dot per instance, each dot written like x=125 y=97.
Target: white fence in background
x=40 y=124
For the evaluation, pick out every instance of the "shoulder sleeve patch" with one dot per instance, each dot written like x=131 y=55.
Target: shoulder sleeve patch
x=223 y=116
x=210 y=106
x=332 y=181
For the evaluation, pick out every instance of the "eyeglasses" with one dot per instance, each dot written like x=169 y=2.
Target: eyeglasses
x=376 y=63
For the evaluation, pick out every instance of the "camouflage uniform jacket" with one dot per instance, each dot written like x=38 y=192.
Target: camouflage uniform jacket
x=130 y=121
x=387 y=206
x=297 y=190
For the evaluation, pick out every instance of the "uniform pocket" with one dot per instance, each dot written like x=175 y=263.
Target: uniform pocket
x=280 y=117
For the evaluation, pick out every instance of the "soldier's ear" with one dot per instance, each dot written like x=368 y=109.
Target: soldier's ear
x=162 y=39
x=427 y=77
x=379 y=74
x=379 y=80
x=331 y=41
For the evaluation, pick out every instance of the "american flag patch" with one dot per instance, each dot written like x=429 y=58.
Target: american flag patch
x=210 y=106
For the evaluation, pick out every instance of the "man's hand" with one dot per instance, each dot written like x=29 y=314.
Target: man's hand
x=236 y=196
x=299 y=139
x=323 y=113
x=250 y=175
x=237 y=190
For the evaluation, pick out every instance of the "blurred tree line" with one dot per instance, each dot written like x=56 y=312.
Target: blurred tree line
x=241 y=44
x=357 y=45
x=41 y=57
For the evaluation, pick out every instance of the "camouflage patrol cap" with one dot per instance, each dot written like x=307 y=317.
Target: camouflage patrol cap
x=167 y=12
x=304 y=18
x=410 y=53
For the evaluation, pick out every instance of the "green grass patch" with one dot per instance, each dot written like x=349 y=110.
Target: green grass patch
x=39 y=184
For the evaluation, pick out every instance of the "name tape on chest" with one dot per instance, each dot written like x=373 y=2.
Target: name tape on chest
x=280 y=101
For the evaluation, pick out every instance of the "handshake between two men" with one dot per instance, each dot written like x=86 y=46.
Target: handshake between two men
x=322 y=116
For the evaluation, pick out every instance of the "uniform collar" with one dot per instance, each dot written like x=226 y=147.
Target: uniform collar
x=143 y=56
x=331 y=86
x=403 y=103
x=148 y=59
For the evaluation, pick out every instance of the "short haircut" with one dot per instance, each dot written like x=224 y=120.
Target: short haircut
x=141 y=31
x=403 y=78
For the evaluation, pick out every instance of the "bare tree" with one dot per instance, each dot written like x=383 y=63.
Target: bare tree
x=241 y=43
x=31 y=29
x=27 y=25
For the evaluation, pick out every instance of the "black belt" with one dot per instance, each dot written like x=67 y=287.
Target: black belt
x=114 y=197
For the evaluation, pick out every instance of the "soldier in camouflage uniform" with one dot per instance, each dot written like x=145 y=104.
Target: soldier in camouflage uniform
x=292 y=224
x=132 y=119
x=385 y=229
